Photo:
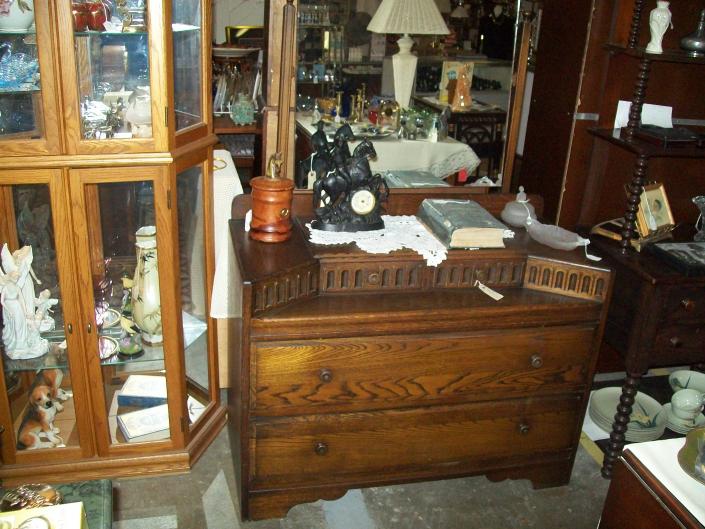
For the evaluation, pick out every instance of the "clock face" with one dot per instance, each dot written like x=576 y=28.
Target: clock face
x=362 y=202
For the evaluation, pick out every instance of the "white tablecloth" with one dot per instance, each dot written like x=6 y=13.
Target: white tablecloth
x=661 y=458
x=442 y=158
x=225 y=302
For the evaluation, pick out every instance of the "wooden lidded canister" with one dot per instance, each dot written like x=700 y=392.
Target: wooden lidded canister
x=271 y=209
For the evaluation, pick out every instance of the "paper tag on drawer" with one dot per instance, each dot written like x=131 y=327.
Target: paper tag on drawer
x=487 y=290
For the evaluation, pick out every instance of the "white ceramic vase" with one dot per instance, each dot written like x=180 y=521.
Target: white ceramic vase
x=146 y=305
x=659 y=20
x=19 y=17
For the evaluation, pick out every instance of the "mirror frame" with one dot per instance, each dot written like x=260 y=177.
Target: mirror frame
x=278 y=128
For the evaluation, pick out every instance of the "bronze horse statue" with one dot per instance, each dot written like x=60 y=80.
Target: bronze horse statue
x=337 y=183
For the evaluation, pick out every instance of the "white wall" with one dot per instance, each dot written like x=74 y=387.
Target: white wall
x=235 y=13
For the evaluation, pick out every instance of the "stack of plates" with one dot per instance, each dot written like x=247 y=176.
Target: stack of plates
x=679 y=425
x=647 y=421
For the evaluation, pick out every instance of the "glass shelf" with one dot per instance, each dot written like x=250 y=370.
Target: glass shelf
x=16 y=33
x=34 y=89
x=56 y=357
x=90 y=33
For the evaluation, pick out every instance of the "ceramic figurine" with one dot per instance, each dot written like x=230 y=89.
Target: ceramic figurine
x=461 y=96
x=42 y=320
x=659 y=20
x=20 y=333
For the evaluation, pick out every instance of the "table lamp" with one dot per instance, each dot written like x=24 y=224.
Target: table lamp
x=420 y=17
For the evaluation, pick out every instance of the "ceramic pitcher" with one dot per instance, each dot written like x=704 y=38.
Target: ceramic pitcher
x=146 y=305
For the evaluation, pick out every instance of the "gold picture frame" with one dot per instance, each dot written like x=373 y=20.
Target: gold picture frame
x=654 y=214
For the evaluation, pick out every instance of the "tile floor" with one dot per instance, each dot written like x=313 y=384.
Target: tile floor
x=206 y=498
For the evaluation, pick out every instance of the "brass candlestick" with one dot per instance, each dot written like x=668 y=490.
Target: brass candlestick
x=354 y=116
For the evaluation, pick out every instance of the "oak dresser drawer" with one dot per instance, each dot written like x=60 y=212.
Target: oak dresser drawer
x=354 y=374
x=336 y=448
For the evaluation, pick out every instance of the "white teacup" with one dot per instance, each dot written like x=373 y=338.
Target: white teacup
x=686 y=404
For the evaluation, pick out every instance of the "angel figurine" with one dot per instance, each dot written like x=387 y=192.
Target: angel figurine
x=20 y=334
x=44 y=302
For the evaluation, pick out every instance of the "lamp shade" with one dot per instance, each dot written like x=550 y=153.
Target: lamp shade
x=459 y=12
x=419 y=17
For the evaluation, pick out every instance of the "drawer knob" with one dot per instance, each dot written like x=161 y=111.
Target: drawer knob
x=536 y=361
x=676 y=342
x=524 y=429
x=688 y=304
x=320 y=448
x=326 y=375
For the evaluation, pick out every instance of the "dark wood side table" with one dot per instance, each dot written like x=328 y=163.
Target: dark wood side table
x=639 y=497
x=656 y=318
x=480 y=129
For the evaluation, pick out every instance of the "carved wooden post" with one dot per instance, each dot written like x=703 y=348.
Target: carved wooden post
x=636 y=187
x=636 y=22
x=621 y=420
x=638 y=98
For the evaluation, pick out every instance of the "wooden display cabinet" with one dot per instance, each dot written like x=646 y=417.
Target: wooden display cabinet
x=112 y=147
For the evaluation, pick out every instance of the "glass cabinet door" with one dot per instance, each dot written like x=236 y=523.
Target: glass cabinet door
x=38 y=409
x=119 y=219
x=27 y=83
x=112 y=67
x=115 y=49
x=194 y=289
x=187 y=20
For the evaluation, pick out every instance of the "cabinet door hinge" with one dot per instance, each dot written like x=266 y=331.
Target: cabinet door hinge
x=168 y=198
x=166 y=116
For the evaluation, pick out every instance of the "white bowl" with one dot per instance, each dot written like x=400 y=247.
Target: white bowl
x=686 y=379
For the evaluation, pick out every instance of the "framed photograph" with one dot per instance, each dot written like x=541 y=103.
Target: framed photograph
x=654 y=213
x=452 y=69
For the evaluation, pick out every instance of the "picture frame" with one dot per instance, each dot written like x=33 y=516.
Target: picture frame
x=654 y=214
x=448 y=67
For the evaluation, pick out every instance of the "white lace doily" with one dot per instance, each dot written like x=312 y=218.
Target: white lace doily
x=403 y=231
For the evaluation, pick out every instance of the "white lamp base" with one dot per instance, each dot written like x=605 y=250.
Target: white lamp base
x=404 y=65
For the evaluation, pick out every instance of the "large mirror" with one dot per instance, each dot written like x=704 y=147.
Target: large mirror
x=345 y=74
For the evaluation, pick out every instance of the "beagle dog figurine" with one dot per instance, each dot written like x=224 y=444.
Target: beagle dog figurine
x=43 y=405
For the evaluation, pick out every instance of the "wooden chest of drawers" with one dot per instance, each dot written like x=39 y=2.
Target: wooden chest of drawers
x=342 y=382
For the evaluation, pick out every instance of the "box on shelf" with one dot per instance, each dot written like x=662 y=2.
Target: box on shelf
x=148 y=424
x=143 y=391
